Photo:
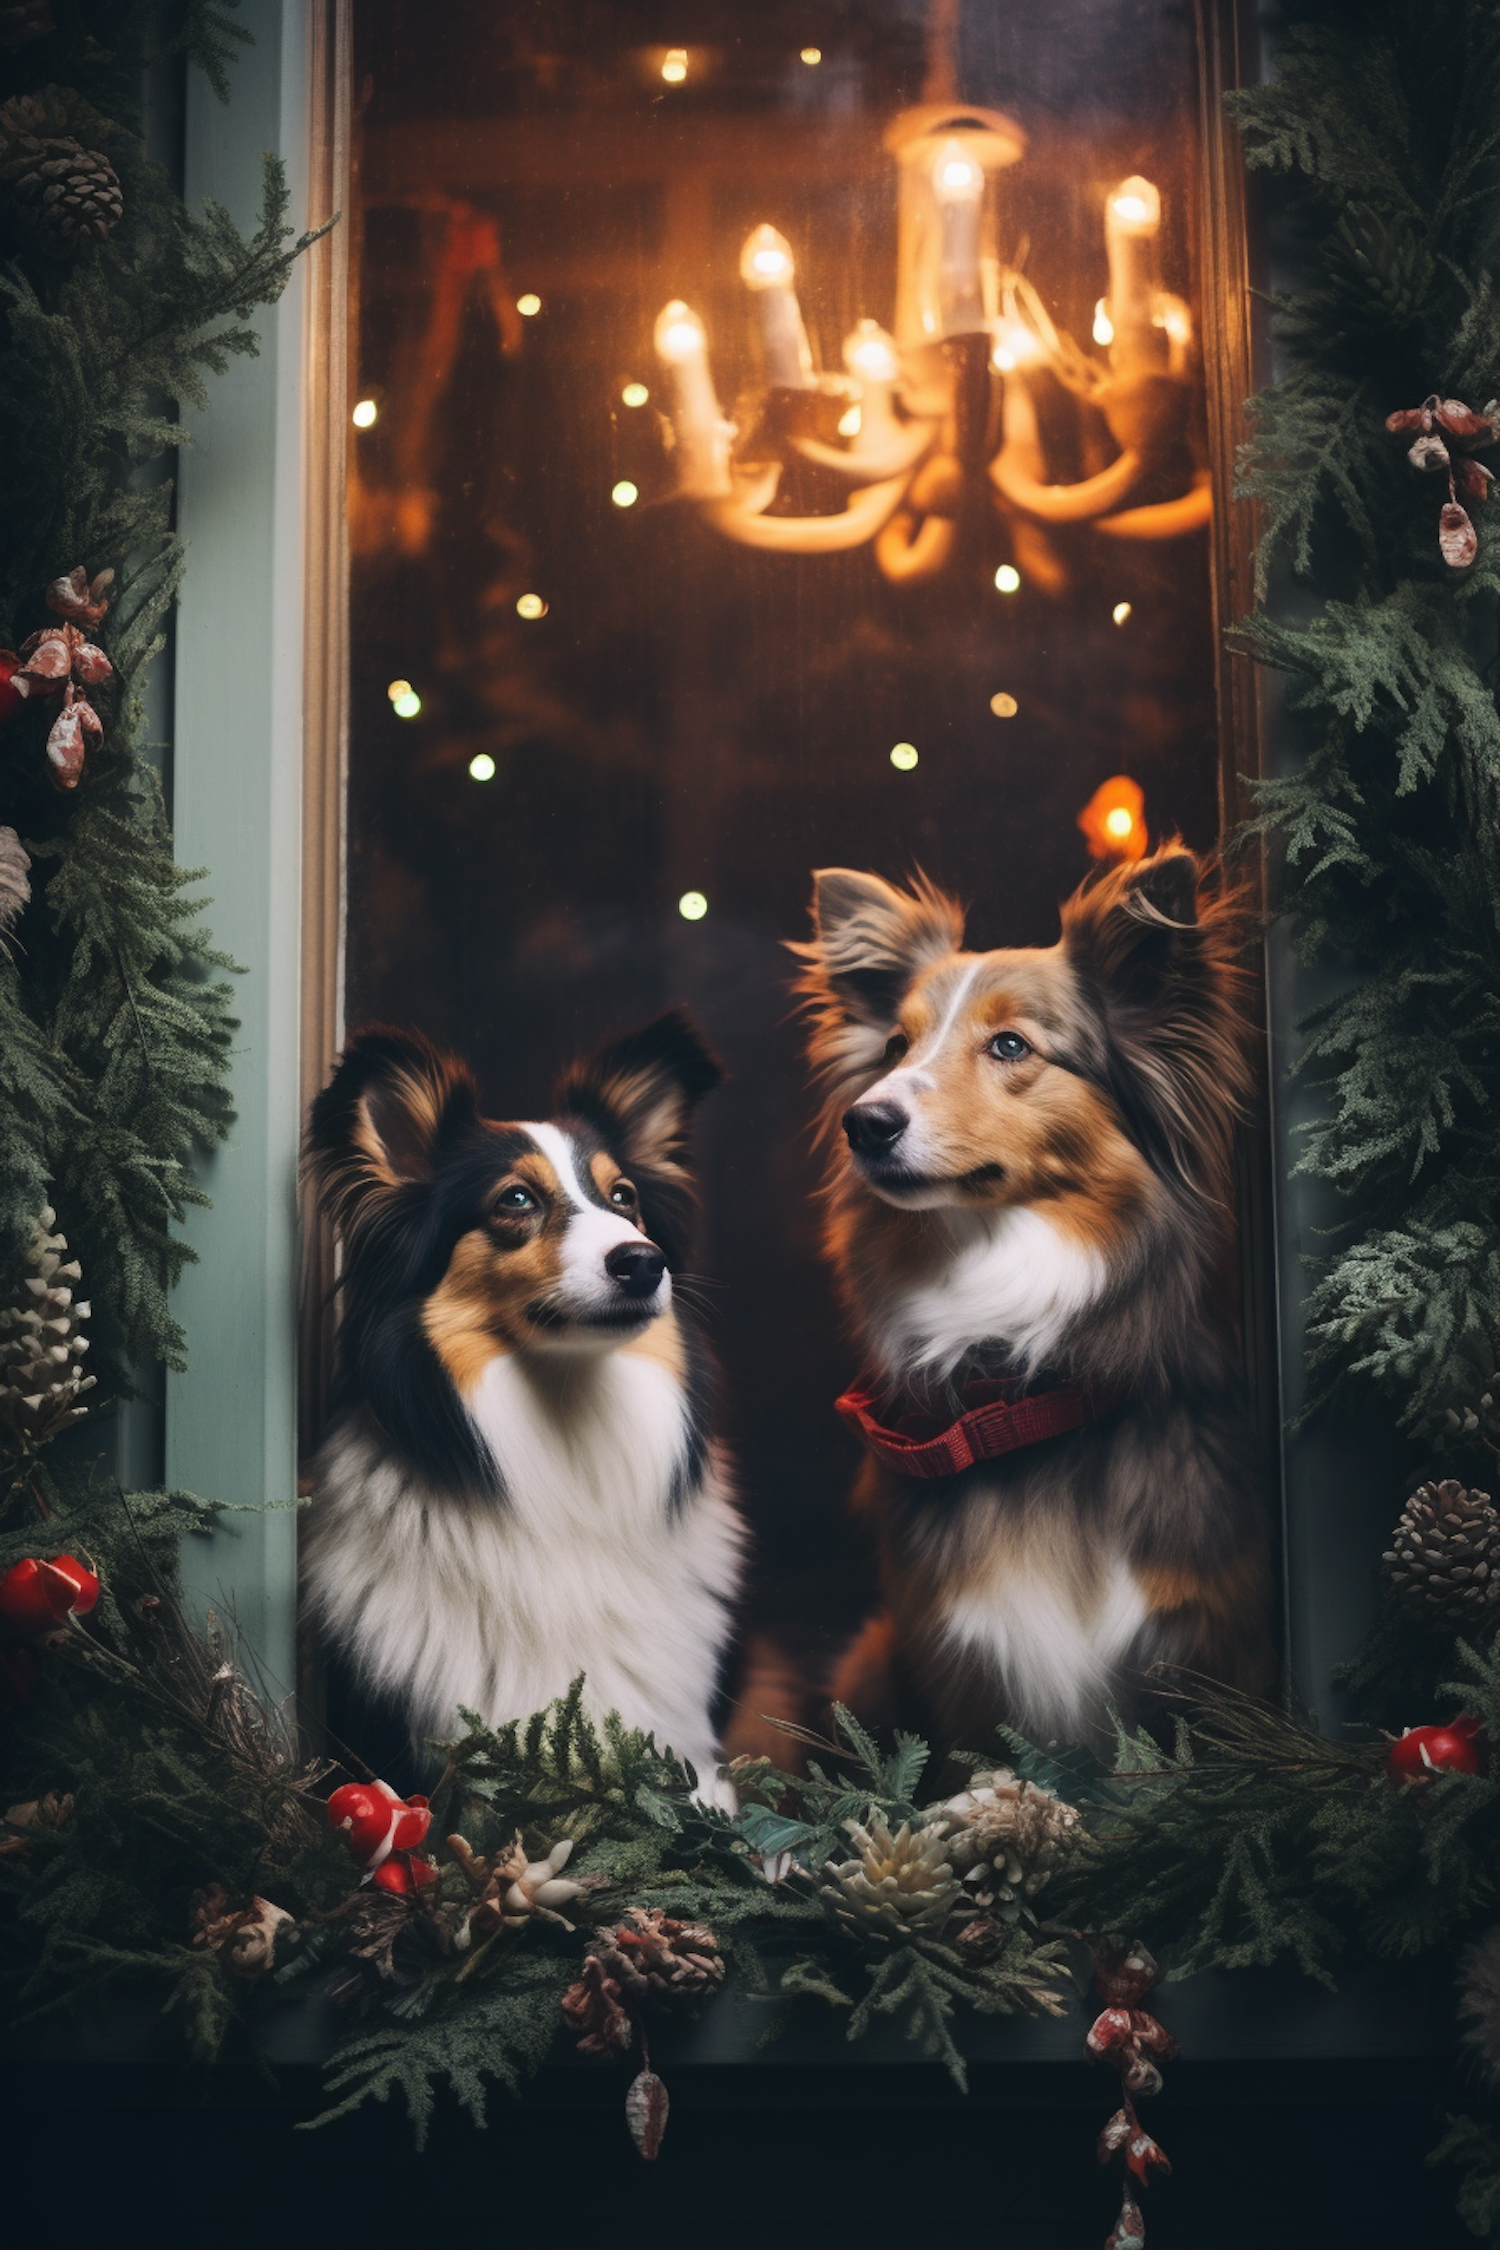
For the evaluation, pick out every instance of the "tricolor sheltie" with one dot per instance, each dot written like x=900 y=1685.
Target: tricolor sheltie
x=521 y=1484
x=1028 y=1210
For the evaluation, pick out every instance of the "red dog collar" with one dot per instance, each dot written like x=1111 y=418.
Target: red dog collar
x=998 y=1417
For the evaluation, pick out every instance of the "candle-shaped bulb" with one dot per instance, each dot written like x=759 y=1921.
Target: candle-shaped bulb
x=766 y=262
x=1136 y=206
x=699 y=433
x=870 y=354
x=1132 y=224
x=768 y=270
x=956 y=175
x=678 y=334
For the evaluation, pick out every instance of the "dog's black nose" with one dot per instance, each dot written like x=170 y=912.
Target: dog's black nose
x=874 y=1127
x=636 y=1266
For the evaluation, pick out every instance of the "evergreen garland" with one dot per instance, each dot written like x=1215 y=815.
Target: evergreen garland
x=1380 y=125
x=115 y=1021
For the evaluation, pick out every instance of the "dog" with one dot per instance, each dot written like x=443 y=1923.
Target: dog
x=522 y=1482
x=1027 y=1211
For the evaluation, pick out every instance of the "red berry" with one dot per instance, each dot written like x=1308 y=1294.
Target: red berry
x=37 y=1597
x=403 y=1875
x=11 y=696
x=377 y=1821
x=1457 y=1746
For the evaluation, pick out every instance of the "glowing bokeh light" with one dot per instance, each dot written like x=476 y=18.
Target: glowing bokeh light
x=870 y=353
x=1004 y=706
x=365 y=414
x=1008 y=579
x=956 y=176
x=1114 y=819
x=812 y=55
x=1136 y=204
x=1120 y=612
x=398 y=688
x=408 y=705
x=529 y=305
x=1104 y=327
x=634 y=394
x=904 y=756
x=692 y=906
x=531 y=605
x=678 y=334
x=625 y=494
x=675 y=67
x=766 y=262
x=849 y=422
x=482 y=768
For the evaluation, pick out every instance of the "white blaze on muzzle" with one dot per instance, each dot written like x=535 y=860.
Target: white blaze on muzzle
x=585 y=1288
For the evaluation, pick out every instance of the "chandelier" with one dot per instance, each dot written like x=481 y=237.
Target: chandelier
x=937 y=424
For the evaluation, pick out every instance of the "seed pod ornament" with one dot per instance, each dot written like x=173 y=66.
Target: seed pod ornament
x=1445 y=435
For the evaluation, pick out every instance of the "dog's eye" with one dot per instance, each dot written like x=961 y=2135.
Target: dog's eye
x=895 y=1047
x=623 y=1196
x=1009 y=1046
x=515 y=1199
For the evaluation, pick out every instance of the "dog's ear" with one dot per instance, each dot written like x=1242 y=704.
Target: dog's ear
x=376 y=1128
x=1155 y=952
x=870 y=940
x=641 y=1094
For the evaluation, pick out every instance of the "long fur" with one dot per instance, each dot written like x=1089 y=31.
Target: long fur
x=522 y=1482
x=1072 y=1227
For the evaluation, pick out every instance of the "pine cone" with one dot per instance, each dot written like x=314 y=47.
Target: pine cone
x=658 y=1964
x=594 y=2012
x=1008 y=1839
x=41 y=1344
x=1444 y=1560
x=15 y=889
x=1482 y=1420
x=60 y=197
x=897 y=1884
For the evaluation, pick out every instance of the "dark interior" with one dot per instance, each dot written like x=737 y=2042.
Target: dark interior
x=689 y=715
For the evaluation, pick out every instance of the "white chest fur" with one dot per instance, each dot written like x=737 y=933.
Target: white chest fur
x=1010 y=1278
x=583 y=1567
x=1052 y=1628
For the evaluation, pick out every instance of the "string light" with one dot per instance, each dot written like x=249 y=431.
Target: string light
x=1104 y=327
x=1004 y=706
x=407 y=704
x=1120 y=612
x=692 y=906
x=531 y=605
x=529 y=305
x=482 y=768
x=625 y=494
x=904 y=756
x=634 y=394
x=674 y=69
x=1008 y=579
x=365 y=414
x=812 y=55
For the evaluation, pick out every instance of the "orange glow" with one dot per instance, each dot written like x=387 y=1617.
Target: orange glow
x=1114 y=819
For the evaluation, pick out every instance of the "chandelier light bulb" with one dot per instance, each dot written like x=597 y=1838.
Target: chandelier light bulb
x=1015 y=346
x=482 y=768
x=531 y=605
x=625 y=494
x=634 y=394
x=870 y=354
x=679 y=334
x=1104 y=327
x=1136 y=205
x=1119 y=820
x=1008 y=579
x=904 y=756
x=956 y=175
x=766 y=262
x=692 y=906
x=851 y=422
x=1120 y=612
x=529 y=306
x=675 y=65
x=365 y=414
x=811 y=55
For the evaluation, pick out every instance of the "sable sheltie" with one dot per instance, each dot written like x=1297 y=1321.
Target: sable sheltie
x=521 y=1484
x=1030 y=1157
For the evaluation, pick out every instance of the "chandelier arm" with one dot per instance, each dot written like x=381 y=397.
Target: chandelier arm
x=866 y=513
x=903 y=554
x=1166 y=519
x=1066 y=503
x=869 y=468
x=752 y=490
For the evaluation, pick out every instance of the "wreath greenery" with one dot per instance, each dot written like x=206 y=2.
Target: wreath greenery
x=162 y=1824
